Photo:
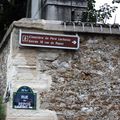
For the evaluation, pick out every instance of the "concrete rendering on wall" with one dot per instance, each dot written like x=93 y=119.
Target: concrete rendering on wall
x=63 y=10
x=80 y=84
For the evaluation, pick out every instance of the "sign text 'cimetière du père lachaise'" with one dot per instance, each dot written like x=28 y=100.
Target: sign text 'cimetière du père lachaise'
x=46 y=40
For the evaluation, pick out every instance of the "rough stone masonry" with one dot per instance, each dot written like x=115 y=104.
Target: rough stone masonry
x=81 y=84
x=85 y=83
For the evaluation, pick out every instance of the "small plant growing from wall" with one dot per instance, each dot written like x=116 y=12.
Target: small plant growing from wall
x=2 y=110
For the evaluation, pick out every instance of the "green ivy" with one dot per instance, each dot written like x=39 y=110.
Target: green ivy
x=2 y=110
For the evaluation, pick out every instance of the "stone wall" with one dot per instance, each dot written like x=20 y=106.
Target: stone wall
x=81 y=84
x=85 y=83
x=3 y=68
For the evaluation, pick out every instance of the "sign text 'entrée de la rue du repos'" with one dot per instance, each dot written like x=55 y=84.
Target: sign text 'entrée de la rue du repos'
x=61 y=41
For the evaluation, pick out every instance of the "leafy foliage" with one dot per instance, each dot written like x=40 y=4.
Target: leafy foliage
x=116 y=1
x=90 y=14
x=10 y=12
x=2 y=110
x=100 y=15
x=105 y=12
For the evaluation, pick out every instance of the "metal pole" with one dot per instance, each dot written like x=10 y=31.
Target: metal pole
x=115 y=19
x=71 y=10
x=28 y=11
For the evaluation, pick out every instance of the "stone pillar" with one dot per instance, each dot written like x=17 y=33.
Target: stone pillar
x=22 y=70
